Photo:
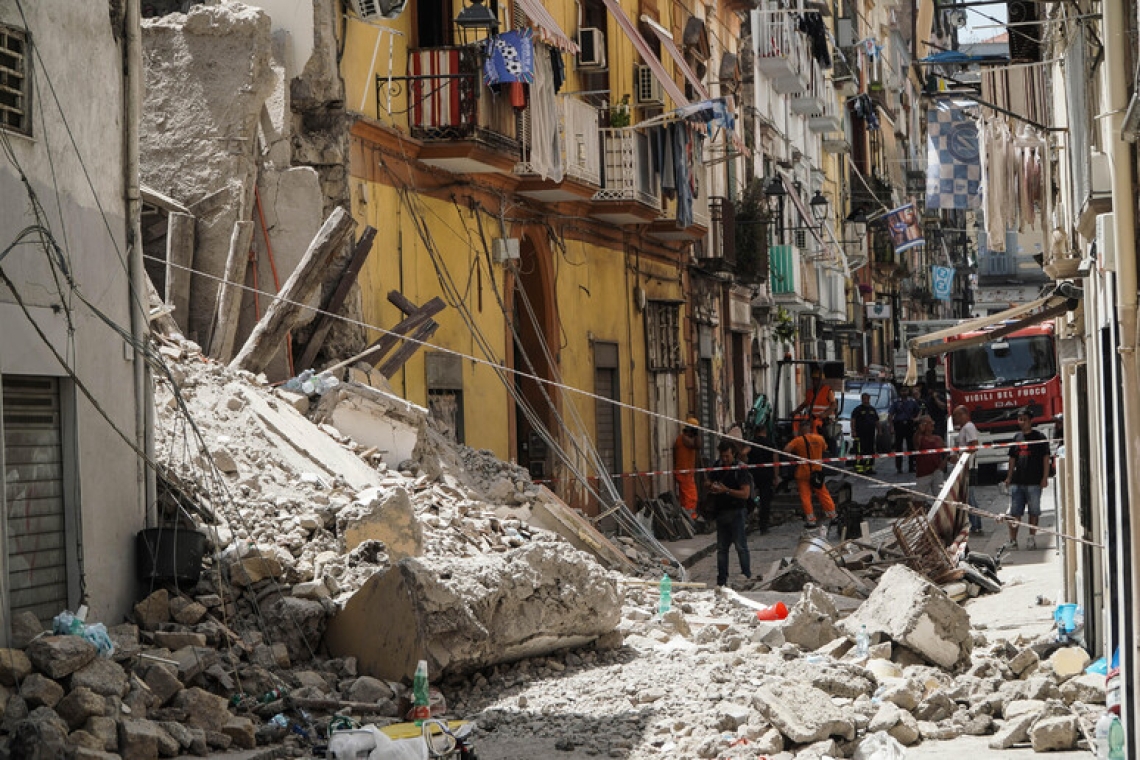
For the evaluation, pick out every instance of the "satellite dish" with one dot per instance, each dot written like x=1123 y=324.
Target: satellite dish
x=957 y=18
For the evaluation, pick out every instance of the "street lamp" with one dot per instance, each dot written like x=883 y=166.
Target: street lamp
x=477 y=17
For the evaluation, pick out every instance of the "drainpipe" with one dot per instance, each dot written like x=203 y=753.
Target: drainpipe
x=140 y=328
x=1115 y=26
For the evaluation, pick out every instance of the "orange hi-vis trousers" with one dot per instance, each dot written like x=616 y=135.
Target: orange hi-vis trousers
x=821 y=493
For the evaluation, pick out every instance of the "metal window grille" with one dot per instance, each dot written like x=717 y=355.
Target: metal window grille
x=15 y=80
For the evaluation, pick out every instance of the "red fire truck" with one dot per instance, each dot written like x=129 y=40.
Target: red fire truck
x=995 y=379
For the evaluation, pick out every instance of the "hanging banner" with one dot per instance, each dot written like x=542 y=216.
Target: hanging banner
x=942 y=282
x=905 y=229
x=953 y=166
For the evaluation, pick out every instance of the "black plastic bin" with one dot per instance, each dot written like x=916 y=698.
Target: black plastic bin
x=169 y=555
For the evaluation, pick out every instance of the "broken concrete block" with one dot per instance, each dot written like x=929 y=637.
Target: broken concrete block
x=298 y=401
x=803 y=713
x=186 y=611
x=1055 y=734
x=374 y=418
x=138 y=739
x=60 y=656
x=173 y=640
x=917 y=614
x=254 y=568
x=79 y=706
x=463 y=614
x=900 y=691
x=297 y=623
x=102 y=676
x=731 y=716
x=41 y=734
x=224 y=460
x=1024 y=660
x=1069 y=661
x=241 y=730
x=105 y=730
x=383 y=515
x=153 y=611
x=203 y=709
x=1088 y=688
x=40 y=691
x=811 y=621
x=25 y=627
x=1013 y=731
x=163 y=683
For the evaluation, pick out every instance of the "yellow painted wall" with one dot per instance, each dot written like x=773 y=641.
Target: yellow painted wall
x=400 y=261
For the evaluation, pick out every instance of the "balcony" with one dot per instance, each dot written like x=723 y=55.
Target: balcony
x=464 y=126
x=845 y=72
x=631 y=189
x=718 y=254
x=581 y=157
x=670 y=229
x=788 y=281
x=782 y=52
x=811 y=99
x=828 y=118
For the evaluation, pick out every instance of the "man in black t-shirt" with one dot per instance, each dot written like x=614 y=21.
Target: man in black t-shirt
x=731 y=488
x=1027 y=477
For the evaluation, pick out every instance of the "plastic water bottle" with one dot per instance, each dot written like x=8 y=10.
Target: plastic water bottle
x=421 y=702
x=862 y=643
x=665 y=602
x=1109 y=736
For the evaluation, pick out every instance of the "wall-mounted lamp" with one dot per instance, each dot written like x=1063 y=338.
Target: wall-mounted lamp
x=819 y=206
x=477 y=17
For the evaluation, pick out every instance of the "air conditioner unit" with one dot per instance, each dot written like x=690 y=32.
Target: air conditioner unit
x=592 y=48
x=649 y=92
x=1106 y=242
x=367 y=10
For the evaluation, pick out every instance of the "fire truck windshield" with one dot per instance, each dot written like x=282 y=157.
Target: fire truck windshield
x=1004 y=363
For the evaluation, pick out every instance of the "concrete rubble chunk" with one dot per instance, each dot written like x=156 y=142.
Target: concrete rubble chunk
x=173 y=640
x=254 y=568
x=25 y=627
x=153 y=611
x=102 y=676
x=203 y=709
x=297 y=623
x=60 y=656
x=937 y=706
x=475 y=612
x=186 y=611
x=41 y=734
x=917 y=614
x=382 y=515
x=731 y=716
x=40 y=691
x=14 y=666
x=1013 y=731
x=811 y=622
x=163 y=682
x=369 y=689
x=839 y=679
x=374 y=418
x=105 y=729
x=1024 y=660
x=1069 y=661
x=803 y=713
x=79 y=706
x=1088 y=688
x=138 y=739
x=1055 y=734
x=241 y=730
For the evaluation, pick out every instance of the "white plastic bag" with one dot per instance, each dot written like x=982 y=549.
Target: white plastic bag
x=352 y=744
x=879 y=746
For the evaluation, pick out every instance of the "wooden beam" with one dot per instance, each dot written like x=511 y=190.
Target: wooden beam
x=324 y=320
x=228 y=307
x=179 y=264
x=404 y=352
x=282 y=314
x=376 y=351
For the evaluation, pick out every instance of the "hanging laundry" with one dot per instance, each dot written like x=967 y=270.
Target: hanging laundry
x=509 y=58
x=863 y=107
x=668 y=164
x=681 y=158
x=557 y=68
x=547 y=152
x=996 y=181
x=812 y=25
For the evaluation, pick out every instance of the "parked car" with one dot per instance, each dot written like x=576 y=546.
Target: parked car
x=882 y=396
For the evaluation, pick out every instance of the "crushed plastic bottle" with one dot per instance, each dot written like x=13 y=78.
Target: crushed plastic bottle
x=665 y=601
x=862 y=644
x=310 y=383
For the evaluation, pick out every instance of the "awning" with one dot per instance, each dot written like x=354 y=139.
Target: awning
x=1064 y=298
x=647 y=54
x=798 y=202
x=678 y=59
x=545 y=27
x=707 y=111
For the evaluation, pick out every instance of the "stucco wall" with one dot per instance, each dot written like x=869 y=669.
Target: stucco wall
x=80 y=57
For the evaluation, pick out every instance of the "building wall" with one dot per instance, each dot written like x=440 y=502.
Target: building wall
x=77 y=52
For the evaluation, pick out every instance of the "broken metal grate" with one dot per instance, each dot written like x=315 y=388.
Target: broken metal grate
x=922 y=546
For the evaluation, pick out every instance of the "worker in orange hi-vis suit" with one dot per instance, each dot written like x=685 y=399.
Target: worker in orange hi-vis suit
x=809 y=475
x=685 y=451
x=819 y=406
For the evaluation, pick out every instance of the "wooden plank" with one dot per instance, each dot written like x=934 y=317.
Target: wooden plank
x=228 y=306
x=179 y=264
x=392 y=365
x=282 y=314
x=376 y=351
x=336 y=301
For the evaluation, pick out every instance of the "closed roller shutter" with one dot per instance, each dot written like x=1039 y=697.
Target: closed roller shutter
x=33 y=488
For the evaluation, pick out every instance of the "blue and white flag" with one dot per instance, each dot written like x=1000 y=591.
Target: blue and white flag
x=942 y=282
x=905 y=229
x=953 y=166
